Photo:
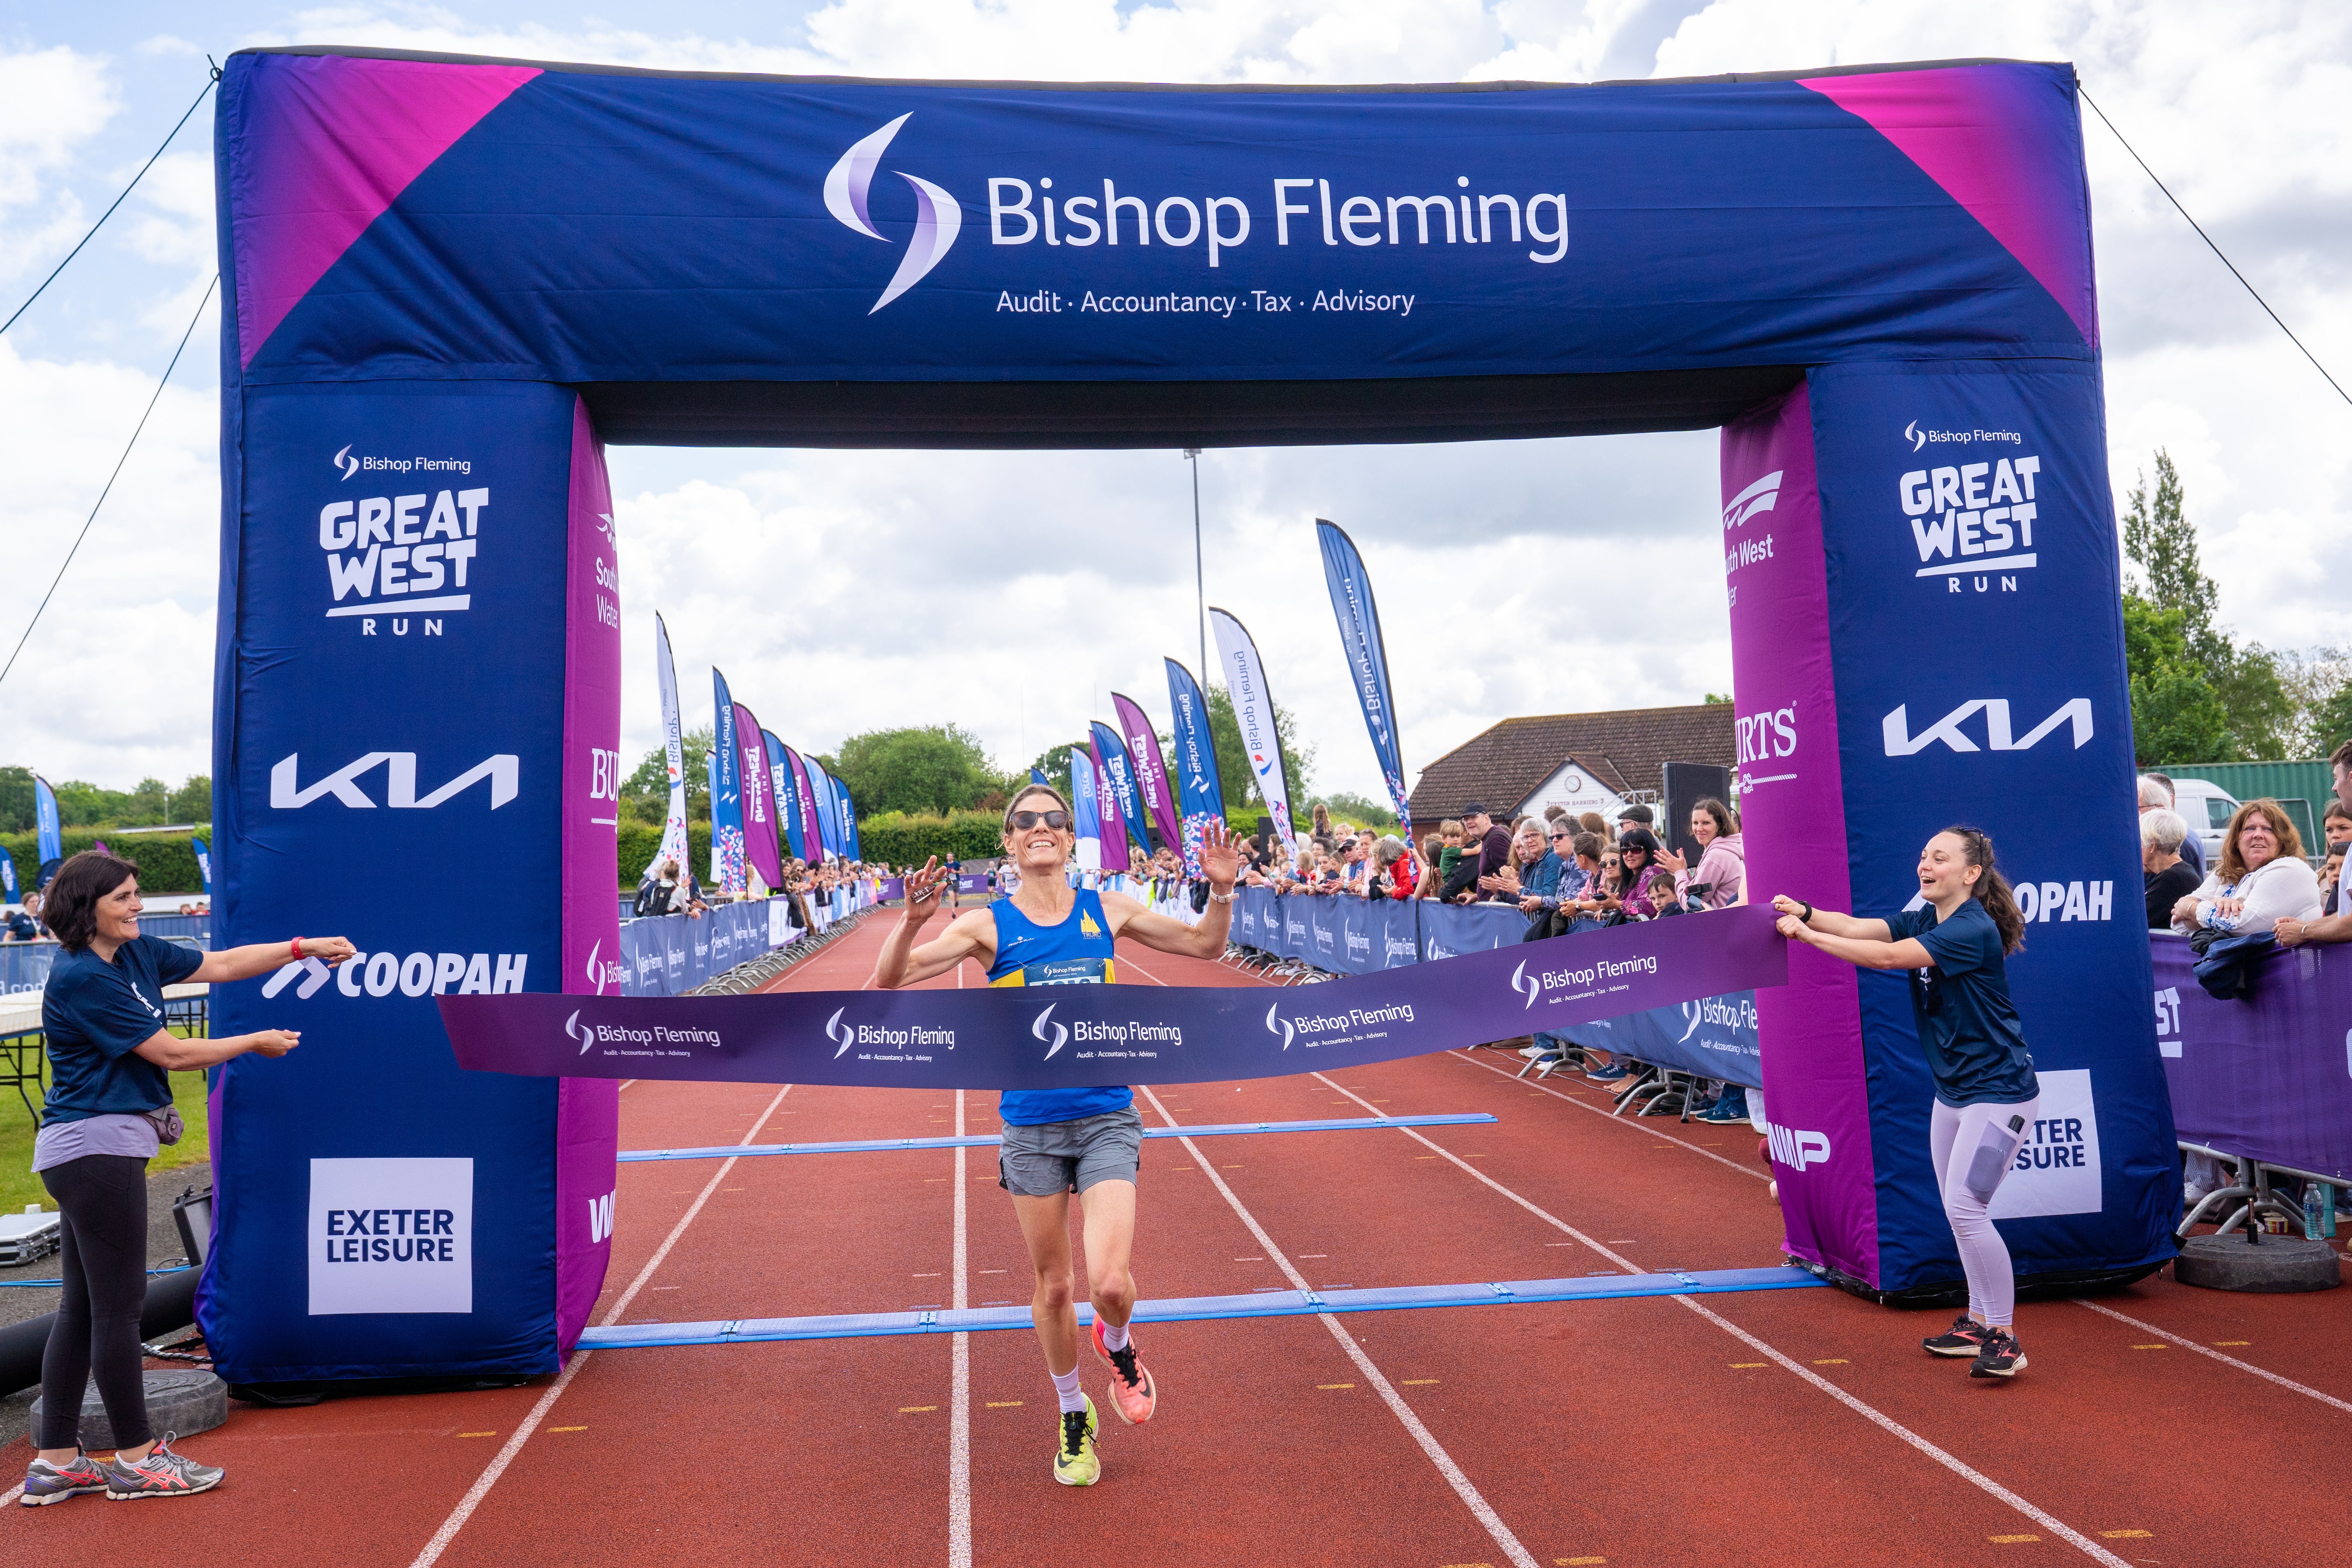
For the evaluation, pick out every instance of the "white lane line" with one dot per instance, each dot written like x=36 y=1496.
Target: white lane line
x=489 y=1477
x=960 y=1393
x=1478 y=1506
x=2264 y=1374
x=2074 y=1537
x=1618 y=1120
x=624 y=1083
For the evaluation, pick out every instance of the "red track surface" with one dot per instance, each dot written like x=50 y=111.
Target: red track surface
x=1799 y=1427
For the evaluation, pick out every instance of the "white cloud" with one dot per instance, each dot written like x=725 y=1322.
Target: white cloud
x=844 y=591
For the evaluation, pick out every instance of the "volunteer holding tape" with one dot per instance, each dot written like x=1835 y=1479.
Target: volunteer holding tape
x=109 y=1108
x=1956 y=947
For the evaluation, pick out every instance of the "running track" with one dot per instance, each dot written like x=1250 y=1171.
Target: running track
x=2162 y=1425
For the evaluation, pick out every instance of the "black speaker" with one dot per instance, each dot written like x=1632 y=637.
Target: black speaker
x=1687 y=783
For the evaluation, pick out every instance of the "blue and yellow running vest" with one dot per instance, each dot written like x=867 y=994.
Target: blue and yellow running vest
x=1077 y=951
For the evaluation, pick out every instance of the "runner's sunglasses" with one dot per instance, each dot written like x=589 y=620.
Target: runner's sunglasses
x=1022 y=821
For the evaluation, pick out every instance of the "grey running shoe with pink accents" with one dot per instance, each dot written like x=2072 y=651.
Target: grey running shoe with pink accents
x=45 y=1483
x=161 y=1473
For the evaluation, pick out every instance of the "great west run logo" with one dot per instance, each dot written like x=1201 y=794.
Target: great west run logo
x=401 y=554
x=1972 y=520
x=938 y=216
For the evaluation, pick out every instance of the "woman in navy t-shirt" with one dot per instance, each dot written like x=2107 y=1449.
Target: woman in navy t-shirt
x=1956 y=945
x=107 y=1110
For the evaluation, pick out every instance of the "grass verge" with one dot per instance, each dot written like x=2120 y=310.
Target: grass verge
x=19 y=1186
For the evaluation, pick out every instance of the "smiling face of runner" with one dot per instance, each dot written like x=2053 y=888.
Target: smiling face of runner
x=1040 y=848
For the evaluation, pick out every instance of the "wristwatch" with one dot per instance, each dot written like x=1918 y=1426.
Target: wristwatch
x=1227 y=897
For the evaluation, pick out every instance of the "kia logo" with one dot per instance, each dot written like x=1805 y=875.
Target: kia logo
x=938 y=218
x=1274 y=1026
x=1060 y=1036
x=573 y=1031
x=1530 y=989
x=833 y=1030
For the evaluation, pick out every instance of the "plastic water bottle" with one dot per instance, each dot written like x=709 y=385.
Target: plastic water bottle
x=2311 y=1211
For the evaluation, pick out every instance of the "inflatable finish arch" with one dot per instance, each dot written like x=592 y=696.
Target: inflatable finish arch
x=450 y=280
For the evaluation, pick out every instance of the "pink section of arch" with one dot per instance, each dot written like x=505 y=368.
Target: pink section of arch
x=330 y=143
x=1984 y=134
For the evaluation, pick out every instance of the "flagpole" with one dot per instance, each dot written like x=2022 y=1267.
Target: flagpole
x=1200 y=574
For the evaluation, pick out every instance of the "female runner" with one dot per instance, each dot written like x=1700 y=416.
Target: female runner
x=1955 y=945
x=1056 y=1140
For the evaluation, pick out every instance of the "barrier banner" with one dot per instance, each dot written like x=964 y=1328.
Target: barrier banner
x=1367 y=656
x=671 y=954
x=2262 y=1075
x=1714 y=1037
x=1085 y=1035
x=1200 y=793
x=1151 y=773
x=1244 y=673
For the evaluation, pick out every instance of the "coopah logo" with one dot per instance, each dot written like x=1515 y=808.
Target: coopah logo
x=938 y=216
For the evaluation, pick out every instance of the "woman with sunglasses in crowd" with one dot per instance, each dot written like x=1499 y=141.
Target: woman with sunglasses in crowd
x=1087 y=1139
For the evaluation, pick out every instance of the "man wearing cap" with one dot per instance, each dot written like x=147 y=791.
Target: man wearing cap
x=1493 y=852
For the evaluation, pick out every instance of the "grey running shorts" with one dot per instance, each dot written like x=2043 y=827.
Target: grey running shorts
x=1057 y=1156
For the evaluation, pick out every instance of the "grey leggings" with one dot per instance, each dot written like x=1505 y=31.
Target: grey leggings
x=104 y=1200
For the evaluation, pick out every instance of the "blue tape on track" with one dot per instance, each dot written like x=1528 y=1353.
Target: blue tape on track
x=1262 y=1304
x=990 y=1139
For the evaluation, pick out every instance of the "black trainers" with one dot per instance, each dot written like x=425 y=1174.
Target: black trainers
x=1966 y=1337
x=2001 y=1356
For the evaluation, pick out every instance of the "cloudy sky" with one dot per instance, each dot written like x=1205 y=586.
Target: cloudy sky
x=850 y=591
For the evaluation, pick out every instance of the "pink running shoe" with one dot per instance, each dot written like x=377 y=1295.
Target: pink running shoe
x=1132 y=1391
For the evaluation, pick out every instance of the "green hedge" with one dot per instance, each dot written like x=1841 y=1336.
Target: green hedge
x=166 y=861
x=911 y=840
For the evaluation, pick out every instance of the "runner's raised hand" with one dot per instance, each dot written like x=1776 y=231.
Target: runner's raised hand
x=922 y=891
x=1220 y=856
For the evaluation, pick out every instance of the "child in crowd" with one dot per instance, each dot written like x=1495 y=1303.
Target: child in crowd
x=1664 y=900
x=1449 y=834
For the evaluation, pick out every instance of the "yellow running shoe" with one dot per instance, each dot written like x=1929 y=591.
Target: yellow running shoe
x=1076 y=1463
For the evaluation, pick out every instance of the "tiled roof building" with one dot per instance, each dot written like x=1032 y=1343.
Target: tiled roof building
x=1521 y=764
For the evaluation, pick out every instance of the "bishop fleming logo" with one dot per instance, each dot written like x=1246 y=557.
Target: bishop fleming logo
x=1911 y=433
x=573 y=1031
x=1528 y=988
x=842 y=1036
x=1280 y=1027
x=1059 y=1037
x=346 y=462
x=938 y=218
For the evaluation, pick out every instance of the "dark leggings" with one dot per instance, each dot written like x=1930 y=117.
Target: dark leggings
x=104 y=1200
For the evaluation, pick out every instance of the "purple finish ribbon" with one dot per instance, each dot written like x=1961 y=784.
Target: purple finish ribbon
x=1065 y=1036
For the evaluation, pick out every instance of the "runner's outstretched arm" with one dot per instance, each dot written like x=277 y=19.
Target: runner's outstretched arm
x=1221 y=862
x=901 y=962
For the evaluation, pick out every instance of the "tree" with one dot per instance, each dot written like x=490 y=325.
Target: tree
x=934 y=769
x=645 y=793
x=2176 y=716
x=1360 y=810
x=2259 y=713
x=192 y=802
x=1239 y=779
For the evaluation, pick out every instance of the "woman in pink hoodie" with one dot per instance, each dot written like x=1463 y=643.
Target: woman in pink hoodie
x=1720 y=878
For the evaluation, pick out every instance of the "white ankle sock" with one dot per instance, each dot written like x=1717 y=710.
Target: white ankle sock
x=1114 y=1336
x=1065 y=1388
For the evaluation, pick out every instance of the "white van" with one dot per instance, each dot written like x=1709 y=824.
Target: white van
x=2207 y=807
